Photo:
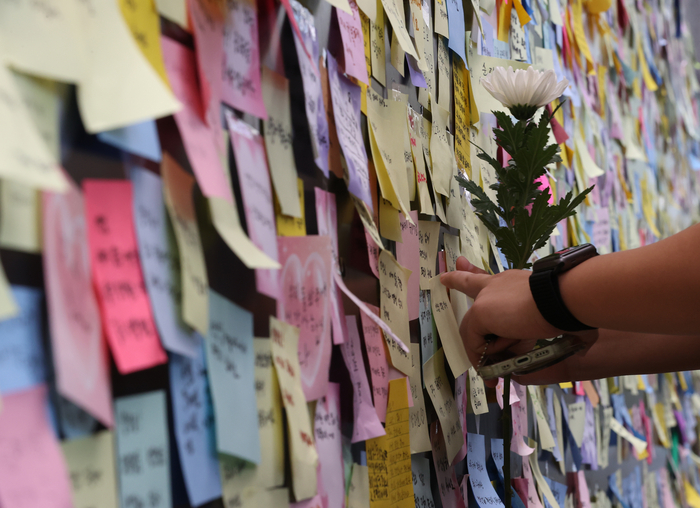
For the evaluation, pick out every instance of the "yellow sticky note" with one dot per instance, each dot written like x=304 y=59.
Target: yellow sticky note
x=415 y=121
x=440 y=150
x=20 y=217
x=358 y=493
x=238 y=486
x=579 y=32
x=568 y=384
x=389 y=222
x=646 y=74
x=378 y=55
x=144 y=23
x=393 y=282
x=523 y=16
x=397 y=18
x=384 y=117
x=278 y=141
x=448 y=328
x=691 y=495
x=224 y=216
x=304 y=458
x=462 y=117
x=428 y=237
x=91 y=464
x=368 y=221
x=438 y=387
x=389 y=456
x=598 y=6
x=288 y=225
x=25 y=155
x=504 y=21
x=177 y=190
x=120 y=87
x=270 y=471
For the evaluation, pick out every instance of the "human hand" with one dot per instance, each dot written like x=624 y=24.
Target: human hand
x=503 y=306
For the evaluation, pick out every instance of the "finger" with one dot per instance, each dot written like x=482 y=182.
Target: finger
x=468 y=283
x=464 y=265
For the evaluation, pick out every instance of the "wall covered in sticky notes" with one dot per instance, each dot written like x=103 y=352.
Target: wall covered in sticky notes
x=221 y=229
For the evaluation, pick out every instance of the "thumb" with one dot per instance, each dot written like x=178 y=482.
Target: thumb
x=468 y=283
x=464 y=265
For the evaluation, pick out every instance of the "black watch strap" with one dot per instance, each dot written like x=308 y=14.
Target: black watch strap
x=544 y=286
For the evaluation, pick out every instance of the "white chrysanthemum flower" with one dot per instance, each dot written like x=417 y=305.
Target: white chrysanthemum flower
x=524 y=90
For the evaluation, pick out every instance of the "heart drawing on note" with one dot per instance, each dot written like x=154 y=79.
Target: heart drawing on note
x=305 y=302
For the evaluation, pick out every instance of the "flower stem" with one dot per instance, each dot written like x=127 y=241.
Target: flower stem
x=507 y=434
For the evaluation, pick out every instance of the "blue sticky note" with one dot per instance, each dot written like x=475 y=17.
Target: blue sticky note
x=612 y=483
x=569 y=437
x=497 y=452
x=455 y=21
x=140 y=139
x=559 y=491
x=160 y=263
x=143 y=454
x=231 y=366
x=501 y=49
x=484 y=493
x=22 y=360
x=194 y=430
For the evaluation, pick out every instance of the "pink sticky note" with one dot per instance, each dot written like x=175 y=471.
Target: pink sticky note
x=366 y=424
x=450 y=491
x=330 y=448
x=254 y=180
x=533 y=500
x=408 y=256
x=208 y=30
x=499 y=393
x=241 y=87
x=519 y=414
x=197 y=136
x=373 y=252
x=583 y=497
x=353 y=42
x=126 y=310
x=327 y=220
x=378 y=364
x=79 y=351
x=521 y=488
x=305 y=282
x=461 y=400
x=33 y=472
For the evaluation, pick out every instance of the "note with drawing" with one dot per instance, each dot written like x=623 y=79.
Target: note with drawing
x=305 y=285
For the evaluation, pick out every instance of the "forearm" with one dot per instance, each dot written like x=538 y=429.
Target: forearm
x=650 y=289
x=619 y=353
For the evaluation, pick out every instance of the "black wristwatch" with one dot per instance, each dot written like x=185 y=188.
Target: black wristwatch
x=544 y=284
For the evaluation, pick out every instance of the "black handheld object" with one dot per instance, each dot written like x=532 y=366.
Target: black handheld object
x=544 y=285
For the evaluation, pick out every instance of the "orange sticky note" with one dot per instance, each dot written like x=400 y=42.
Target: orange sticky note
x=127 y=317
